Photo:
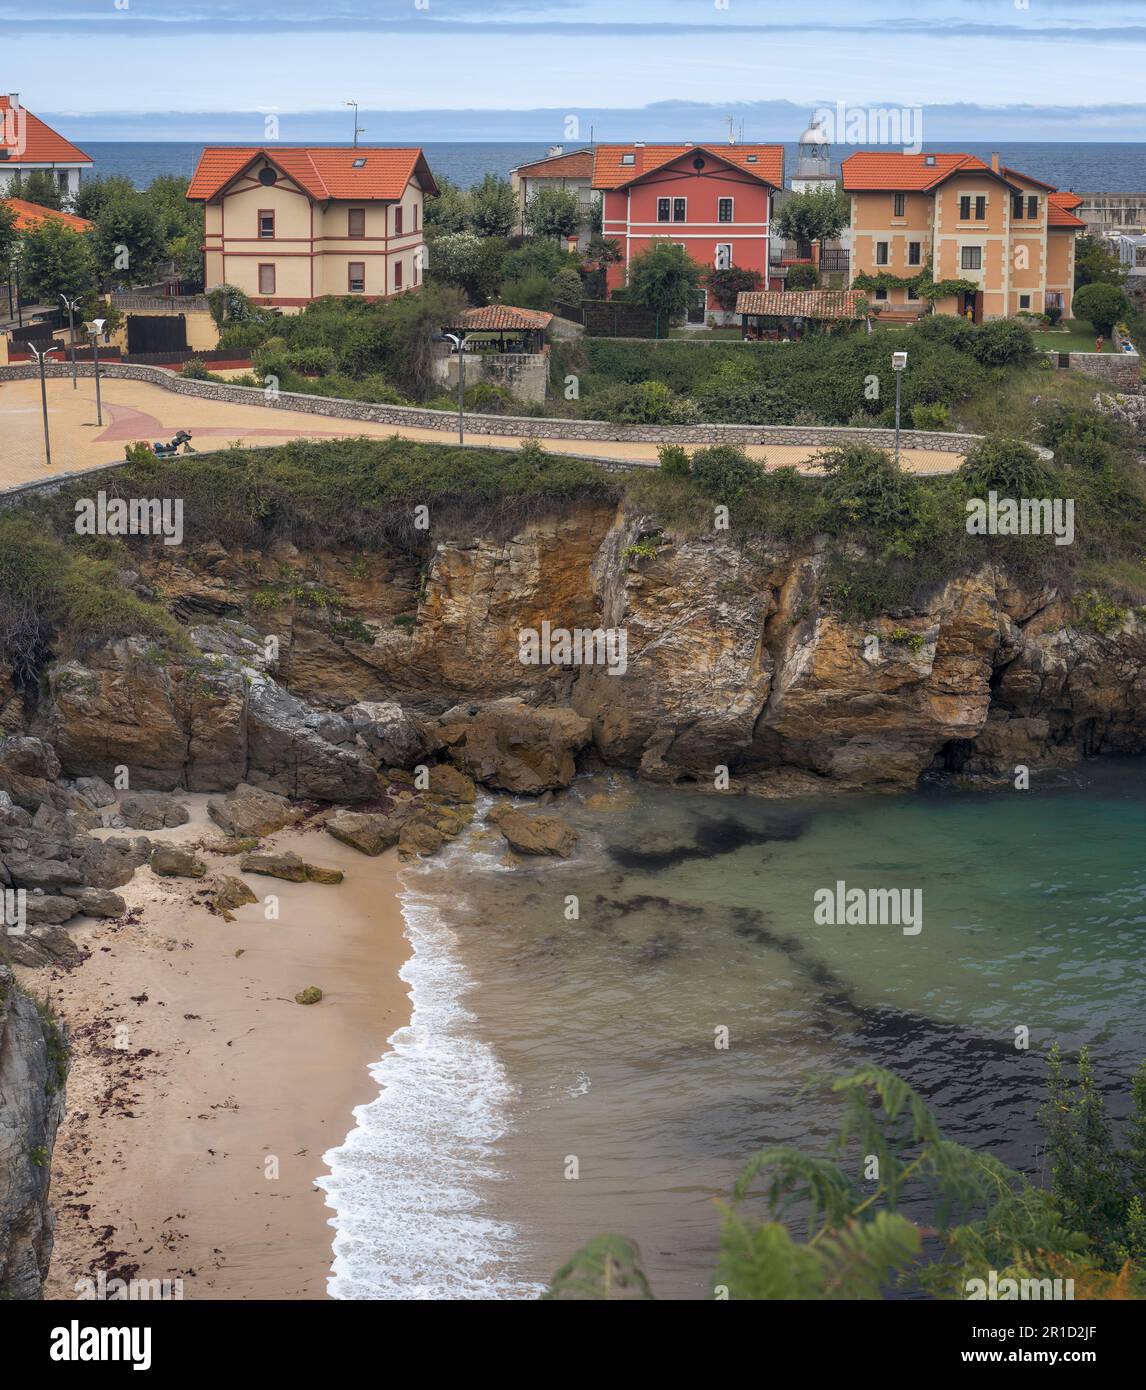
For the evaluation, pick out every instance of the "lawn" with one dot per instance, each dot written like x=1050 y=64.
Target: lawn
x=1072 y=335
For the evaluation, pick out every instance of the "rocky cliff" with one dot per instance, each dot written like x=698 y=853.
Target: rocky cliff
x=32 y=1073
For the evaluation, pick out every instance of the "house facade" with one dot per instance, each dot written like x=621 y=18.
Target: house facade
x=1010 y=235
x=715 y=201
x=27 y=145
x=288 y=226
x=571 y=171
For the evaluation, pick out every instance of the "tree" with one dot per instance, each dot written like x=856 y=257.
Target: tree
x=55 y=260
x=129 y=241
x=1102 y=305
x=95 y=194
x=664 y=278
x=818 y=215
x=567 y=287
x=38 y=187
x=410 y=322
x=553 y=212
x=1094 y=264
x=727 y=284
x=493 y=207
x=8 y=236
x=449 y=211
x=603 y=250
x=802 y=277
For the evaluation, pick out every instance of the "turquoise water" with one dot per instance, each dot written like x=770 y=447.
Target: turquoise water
x=695 y=913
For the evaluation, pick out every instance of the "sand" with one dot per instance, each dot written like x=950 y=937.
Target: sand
x=202 y=1097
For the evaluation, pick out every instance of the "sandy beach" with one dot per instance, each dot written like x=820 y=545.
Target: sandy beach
x=201 y=1096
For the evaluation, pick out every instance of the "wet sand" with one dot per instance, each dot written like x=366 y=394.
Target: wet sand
x=201 y=1096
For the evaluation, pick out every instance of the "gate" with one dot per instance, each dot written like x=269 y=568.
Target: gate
x=156 y=333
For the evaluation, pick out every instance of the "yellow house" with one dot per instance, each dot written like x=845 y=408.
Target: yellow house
x=289 y=225
x=1009 y=235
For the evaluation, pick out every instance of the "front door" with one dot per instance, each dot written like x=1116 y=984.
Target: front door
x=972 y=302
x=696 y=308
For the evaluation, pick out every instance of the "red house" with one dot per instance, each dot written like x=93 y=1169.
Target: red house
x=716 y=201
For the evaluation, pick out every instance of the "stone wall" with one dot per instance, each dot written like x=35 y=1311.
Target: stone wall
x=524 y=375
x=516 y=426
x=1115 y=368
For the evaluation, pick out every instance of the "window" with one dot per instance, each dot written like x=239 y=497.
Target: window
x=1033 y=207
x=266 y=225
x=359 y=164
x=964 y=209
x=980 y=208
x=914 y=252
x=414 y=277
x=398 y=221
x=911 y=294
x=356 y=277
x=881 y=294
x=266 y=279
x=679 y=209
x=929 y=160
x=397 y=275
x=900 y=204
x=723 y=255
x=628 y=159
x=1024 y=301
x=1017 y=206
x=664 y=209
x=356 y=222
x=881 y=253
x=751 y=159
x=972 y=258
x=415 y=216
x=724 y=209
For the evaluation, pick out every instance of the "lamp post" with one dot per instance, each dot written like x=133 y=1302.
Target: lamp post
x=358 y=130
x=898 y=366
x=40 y=356
x=458 y=341
x=16 y=272
x=95 y=329
x=71 y=305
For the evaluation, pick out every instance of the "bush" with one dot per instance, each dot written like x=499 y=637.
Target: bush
x=673 y=461
x=725 y=472
x=947 y=328
x=1101 y=305
x=1006 y=466
x=567 y=288
x=646 y=403
x=935 y=416
x=530 y=292
x=802 y=277
x=1002 y=341
x=486 y=398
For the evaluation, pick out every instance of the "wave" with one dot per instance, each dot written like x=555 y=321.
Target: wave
x=407 y=1184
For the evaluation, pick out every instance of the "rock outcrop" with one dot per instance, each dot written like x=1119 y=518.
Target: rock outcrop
x=33 y=1072
x=530 y=834
x=516 y=747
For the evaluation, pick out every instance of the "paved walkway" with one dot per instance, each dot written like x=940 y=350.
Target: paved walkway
x=135 y=410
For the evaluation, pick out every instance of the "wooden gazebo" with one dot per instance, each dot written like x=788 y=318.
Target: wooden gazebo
x=794 y=308
x=503 y=328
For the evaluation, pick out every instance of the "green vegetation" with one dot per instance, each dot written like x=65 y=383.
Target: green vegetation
x=664 y=278
x=820 y=214
x=1102 y=305
x=977 y=1215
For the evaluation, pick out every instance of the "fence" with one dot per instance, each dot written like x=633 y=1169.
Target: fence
x=612 y=318
x=171 y=303
x=832 y=261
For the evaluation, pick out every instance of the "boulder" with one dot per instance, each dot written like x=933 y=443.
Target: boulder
x=535 y=834
x=248 y=812
x=11 y=814
x=291 y=749
x=310 y=995
x=447 y=784
x=393 y=737
x=275 y=864
x=519 y=748
x=369 y=832
x=100 y=902
x=29 y=770
x=419 y=837
x=171 y=861
x=152 y=811
x=316 y=873
x=34 y=859
x=231 y=844
x=232 y=893
x=96 y=792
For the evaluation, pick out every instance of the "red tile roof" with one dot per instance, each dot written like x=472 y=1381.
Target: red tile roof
x=31 y=215
x=765 y=162
x=872 y=171
x=577 y=164
x=495 y=317
x=808 y=304
x=324 y=173
x=1059 y=212
x=37 y=143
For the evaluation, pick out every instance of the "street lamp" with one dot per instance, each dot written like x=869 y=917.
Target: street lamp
x=458 y=341
x=40 y=356
x=71 y=305
x=358 y=130
x=898 y=366
x=95 y=329
x=16 y=271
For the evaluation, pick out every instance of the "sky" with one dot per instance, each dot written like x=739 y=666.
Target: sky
x=551 y=69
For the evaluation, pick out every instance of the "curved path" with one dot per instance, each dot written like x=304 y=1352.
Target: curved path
x=138 y=410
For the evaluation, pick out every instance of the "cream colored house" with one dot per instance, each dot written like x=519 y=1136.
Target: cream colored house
x=290 y=225
x=1009 y=235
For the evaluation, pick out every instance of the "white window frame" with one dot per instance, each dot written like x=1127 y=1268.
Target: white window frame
x=886 y=245
x=727 y=245
x=664 y=221
x=675 y=218
x=963 y=250
x=731 y=219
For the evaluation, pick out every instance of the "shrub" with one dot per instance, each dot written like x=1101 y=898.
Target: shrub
x=567 y=287
x=1101 y=305
x=530 y=292
x=673 y=461
x=947 y=328
x=802 y=277
x=1006 y=466
x=725 y=472
x=865 y=488
x=934 y=416
x=1002 y=341
x=486 y=398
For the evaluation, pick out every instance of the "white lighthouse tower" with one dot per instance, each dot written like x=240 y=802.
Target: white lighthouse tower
x=814 y=163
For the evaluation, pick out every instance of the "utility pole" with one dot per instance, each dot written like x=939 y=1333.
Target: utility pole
x=898 y=366
x=40 y=355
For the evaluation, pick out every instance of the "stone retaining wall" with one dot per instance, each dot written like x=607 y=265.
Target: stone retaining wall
x=516 y=426
x=1116 y=368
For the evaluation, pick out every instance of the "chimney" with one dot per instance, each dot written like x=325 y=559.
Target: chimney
x=994 y=161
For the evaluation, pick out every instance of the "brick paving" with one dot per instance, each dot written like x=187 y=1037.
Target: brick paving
x=134 y=410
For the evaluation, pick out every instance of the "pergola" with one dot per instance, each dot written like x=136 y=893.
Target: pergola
x=797 y=307
x=512 y=329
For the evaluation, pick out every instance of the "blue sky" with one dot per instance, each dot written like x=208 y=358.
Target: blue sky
x=601 y=60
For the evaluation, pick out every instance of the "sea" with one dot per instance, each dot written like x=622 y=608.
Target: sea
x=1094 y=168
x=600 y=1044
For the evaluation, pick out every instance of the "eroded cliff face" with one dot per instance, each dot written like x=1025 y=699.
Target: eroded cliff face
x=32 y=1071
x=730 y=662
